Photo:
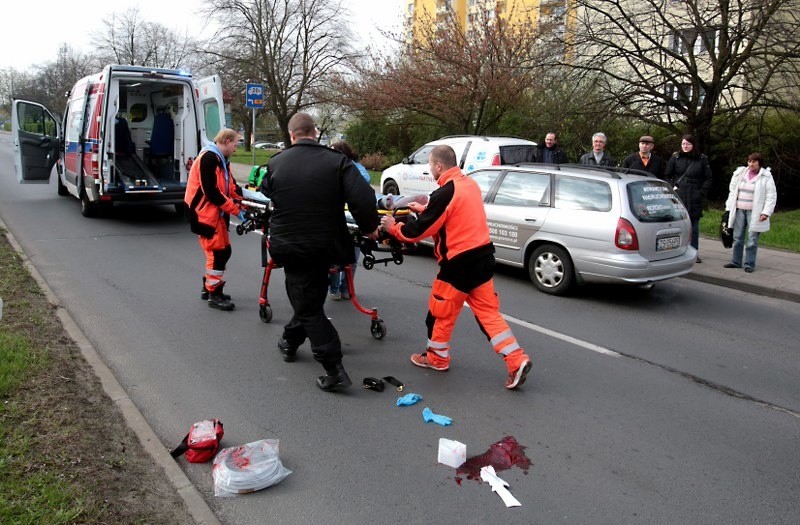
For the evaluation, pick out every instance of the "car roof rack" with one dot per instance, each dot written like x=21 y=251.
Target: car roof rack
x=611 y=171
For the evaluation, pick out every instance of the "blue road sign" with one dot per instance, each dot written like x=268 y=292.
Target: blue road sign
x=254 y=96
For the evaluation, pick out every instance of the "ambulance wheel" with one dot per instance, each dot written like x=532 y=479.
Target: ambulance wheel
x=62 y=189
x=88 y=208
x=265 y=313
x=378 y=329
x=180 y=209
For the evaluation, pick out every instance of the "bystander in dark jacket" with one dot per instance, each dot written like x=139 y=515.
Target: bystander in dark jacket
x=645 y=159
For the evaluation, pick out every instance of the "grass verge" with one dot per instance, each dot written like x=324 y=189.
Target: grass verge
x=784 y=230
x=66 y=455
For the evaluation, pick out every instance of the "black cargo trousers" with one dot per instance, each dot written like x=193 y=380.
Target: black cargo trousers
x=307 y=288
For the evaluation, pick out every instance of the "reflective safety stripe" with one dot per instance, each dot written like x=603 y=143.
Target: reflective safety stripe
x=436 y=344
x=510 y=348
x=501 y=337
x=444 y=354
x=217 y=273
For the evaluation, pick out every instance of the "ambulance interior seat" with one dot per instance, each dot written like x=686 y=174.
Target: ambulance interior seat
x=162 y=145
x=131 y=169
x=124 y=146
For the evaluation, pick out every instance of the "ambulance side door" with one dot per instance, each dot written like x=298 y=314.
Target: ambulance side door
x=211 y=108
x=36 y=140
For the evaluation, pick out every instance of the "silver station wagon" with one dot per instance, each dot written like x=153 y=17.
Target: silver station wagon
x=572 y=224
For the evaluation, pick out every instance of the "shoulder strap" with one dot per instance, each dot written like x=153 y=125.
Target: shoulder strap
x=182 y=447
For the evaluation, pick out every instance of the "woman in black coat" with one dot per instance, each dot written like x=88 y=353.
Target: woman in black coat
x=690 y=174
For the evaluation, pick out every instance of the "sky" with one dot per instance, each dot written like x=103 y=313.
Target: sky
x=44 y=25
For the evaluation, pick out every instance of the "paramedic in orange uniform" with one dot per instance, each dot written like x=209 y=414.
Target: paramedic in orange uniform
x=210 y=193
x=456 y=219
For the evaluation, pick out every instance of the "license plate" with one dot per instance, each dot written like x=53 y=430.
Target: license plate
x=668 y=243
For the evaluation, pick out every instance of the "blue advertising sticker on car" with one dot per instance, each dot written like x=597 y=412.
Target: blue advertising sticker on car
x=481 y=156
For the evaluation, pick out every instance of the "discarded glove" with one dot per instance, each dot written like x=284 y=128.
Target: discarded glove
x=408 y=400
x=242 y=216
x=429 y=416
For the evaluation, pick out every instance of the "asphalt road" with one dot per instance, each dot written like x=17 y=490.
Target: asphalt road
x=676 y=405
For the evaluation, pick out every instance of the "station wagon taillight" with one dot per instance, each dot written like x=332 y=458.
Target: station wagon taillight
x=496 y=160
x=625 y=236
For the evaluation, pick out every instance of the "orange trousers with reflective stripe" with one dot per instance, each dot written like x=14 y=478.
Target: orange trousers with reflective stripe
x=220 y=241
x=444 y=306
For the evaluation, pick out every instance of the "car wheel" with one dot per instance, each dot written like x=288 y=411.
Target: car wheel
x=88 y=208
x=551 y=269
x=390 y=187
x=62 y=189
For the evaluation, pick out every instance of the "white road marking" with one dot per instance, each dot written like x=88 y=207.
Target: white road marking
x=559 y=335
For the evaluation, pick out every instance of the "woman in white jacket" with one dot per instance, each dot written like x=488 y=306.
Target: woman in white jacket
x=751 y=200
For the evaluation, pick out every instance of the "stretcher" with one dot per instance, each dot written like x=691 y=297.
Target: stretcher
x=257 y=213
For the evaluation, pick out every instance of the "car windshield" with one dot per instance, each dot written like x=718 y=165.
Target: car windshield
x=654 y=201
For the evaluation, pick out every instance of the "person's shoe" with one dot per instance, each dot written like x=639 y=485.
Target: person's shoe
x=699 y=260
x=517 y=377
x=749 y=269
x=421 y=360
x=289 y=354
x=218 y=301
x=335 y=296
x=345 y=296
x=335 y=379
x=731 y=265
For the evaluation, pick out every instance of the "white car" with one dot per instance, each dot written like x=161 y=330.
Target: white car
x=413 y=177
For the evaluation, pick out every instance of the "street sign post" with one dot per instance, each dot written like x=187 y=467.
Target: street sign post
x=254 y=98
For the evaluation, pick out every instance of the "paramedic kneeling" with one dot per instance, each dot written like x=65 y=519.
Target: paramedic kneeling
x=309 y=185
x=209 y=199
x=456 y=219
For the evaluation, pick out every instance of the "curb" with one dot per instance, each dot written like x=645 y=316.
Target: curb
x=195 y=504
x=775 y=293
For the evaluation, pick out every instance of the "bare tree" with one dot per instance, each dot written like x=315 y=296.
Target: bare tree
x=57 y=78
x=129 y=39
x=467 y=79
x=290 y=46
x=679 y=65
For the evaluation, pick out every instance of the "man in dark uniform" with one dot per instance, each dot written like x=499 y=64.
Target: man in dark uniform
x=309 y=185
x=645 y=159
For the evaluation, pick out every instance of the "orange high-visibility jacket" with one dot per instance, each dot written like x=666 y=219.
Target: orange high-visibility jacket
x=209 y=194
x=454 y=217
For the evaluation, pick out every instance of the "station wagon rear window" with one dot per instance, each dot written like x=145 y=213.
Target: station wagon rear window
x=574 y=193
x=654 y=201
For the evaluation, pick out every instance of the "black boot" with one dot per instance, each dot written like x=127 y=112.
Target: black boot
x=289 y=354
x=335 y=378
x=217 y=299
x=205 y=293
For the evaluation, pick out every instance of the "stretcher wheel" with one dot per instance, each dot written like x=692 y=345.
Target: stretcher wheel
x=239 y=229
x=265 y=313
x=369 y=262
x=378 y=329
x=398 y=259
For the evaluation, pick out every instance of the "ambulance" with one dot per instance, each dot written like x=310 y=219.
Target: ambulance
x=129 y=136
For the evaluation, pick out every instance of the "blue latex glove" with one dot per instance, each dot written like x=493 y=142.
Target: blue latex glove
x=429 y=416
x=242 y=217
x=408 y=400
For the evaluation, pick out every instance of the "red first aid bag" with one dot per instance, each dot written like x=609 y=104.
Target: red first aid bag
x=202 y=441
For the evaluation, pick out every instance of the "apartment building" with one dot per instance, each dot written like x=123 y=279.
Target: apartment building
x=420 y=13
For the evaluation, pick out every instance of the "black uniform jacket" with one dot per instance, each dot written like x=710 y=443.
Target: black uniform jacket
x=309 y=185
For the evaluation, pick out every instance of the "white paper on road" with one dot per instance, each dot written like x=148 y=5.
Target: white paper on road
x=499 y=485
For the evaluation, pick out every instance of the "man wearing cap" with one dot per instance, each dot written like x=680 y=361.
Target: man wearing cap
x=645 y=159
